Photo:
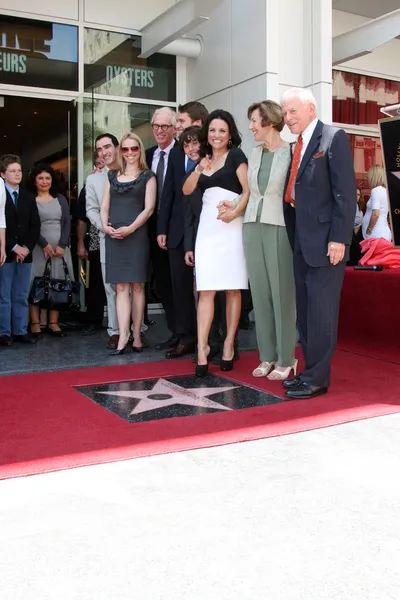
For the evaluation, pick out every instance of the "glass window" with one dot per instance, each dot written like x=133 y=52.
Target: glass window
x=367 y=152
x=114 y=117
x=112 y=67
x=358 y=99
x=38 y=53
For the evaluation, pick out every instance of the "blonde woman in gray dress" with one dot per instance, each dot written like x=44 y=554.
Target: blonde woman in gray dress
x=268 y=253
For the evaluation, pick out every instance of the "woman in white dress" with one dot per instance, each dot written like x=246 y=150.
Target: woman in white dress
x=375 y=221
x=219 y=256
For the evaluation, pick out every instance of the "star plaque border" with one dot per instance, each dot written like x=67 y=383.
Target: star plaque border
x=143 y=400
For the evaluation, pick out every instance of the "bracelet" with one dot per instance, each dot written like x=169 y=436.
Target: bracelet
x=198 y=171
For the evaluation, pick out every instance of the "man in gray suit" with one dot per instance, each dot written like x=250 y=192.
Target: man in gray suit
x=319 y=205
x=107 y=148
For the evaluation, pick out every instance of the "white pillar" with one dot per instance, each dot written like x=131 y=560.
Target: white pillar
x=272 y=50
x=305 y=49
x=318 y=54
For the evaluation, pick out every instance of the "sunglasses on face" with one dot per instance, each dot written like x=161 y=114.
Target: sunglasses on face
x=131 y=149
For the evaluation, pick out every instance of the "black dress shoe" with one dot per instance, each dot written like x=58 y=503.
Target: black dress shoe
x=303 y=391
x=180 y=350
x=112 y=343
x=245 y=324
x=27 y=338
x=172 y=342
x=90 y=329
x=290 y=384
x=144 y=340
x=5 y=340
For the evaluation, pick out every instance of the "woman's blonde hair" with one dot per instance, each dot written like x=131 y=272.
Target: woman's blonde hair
x=376 y=177
x=142 y=158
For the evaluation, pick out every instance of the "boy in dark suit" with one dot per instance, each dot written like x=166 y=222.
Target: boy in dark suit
x=22 y=233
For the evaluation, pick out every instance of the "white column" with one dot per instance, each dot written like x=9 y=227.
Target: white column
x=305 y=49
x=272 y=50
x=318 y=54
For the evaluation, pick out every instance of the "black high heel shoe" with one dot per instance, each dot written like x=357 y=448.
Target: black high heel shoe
x=226 y=365
x=125 y=349
x=137 y=348
x=202 y=370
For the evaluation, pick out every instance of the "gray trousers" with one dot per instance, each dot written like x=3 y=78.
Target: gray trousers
x=269 y=261
x=111 y=304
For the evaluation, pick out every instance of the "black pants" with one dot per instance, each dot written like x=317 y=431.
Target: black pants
x=95 y=294
x=318 y=300
x=247 y=304
x=162 y=281
x=218 y=327
x=183 y=295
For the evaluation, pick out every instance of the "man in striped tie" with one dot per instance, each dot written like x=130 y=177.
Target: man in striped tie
x=319 y=205
x=170 y=229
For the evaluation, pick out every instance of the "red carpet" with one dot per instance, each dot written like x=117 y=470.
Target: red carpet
x=368 y=321
x=47 y=425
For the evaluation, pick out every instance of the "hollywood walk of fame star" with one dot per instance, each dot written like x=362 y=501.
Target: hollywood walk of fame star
x=165 y=393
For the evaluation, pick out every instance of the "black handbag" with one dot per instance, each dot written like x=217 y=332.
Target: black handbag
x=55 y=294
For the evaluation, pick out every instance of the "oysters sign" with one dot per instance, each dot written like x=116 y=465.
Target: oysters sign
x=140 y=78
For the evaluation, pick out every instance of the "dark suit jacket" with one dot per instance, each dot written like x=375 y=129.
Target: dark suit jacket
x=326 y=196
x=192 y=210
x=22 y=224
x=152 y=222
x=171 y=215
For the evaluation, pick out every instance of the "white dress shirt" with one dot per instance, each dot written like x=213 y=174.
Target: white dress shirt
x=156 y=157
x=307 y=135
x=2 y=204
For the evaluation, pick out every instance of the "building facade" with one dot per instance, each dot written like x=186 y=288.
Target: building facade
x=70 y=70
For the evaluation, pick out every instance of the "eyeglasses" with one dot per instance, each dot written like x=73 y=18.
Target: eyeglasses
x=156 y=127
x=131 y=149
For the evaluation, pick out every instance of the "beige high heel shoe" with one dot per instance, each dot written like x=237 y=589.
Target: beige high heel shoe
x=263 y=369
x=276 y=375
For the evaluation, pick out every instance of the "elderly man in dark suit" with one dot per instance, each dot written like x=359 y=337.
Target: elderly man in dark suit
x=163 y=124
x=170 y=230
x=22 y=233
x=319 y=206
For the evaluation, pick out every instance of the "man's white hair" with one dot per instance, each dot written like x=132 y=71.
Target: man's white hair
x=165 y=110
x=304 y=95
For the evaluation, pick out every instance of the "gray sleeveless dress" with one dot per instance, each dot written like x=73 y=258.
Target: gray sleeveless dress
x=50 y=228
x=127 y=260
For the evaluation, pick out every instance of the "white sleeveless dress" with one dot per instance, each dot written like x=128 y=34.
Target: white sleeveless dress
x=219 y=255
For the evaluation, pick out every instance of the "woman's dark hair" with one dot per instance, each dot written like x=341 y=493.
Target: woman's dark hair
x=235 y=137
x=40 y=168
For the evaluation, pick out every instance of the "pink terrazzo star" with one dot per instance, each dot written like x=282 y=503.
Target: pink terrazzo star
x=165 y=393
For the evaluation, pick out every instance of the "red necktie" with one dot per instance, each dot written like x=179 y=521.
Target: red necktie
x=294 y=170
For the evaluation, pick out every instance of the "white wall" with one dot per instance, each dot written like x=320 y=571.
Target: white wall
x=127 y=14
x=383 y=61
x=255 y=49
x=133 y=14
x=65 y=9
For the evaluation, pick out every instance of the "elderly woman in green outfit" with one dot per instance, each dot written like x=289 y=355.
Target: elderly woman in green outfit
x=268 y=253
